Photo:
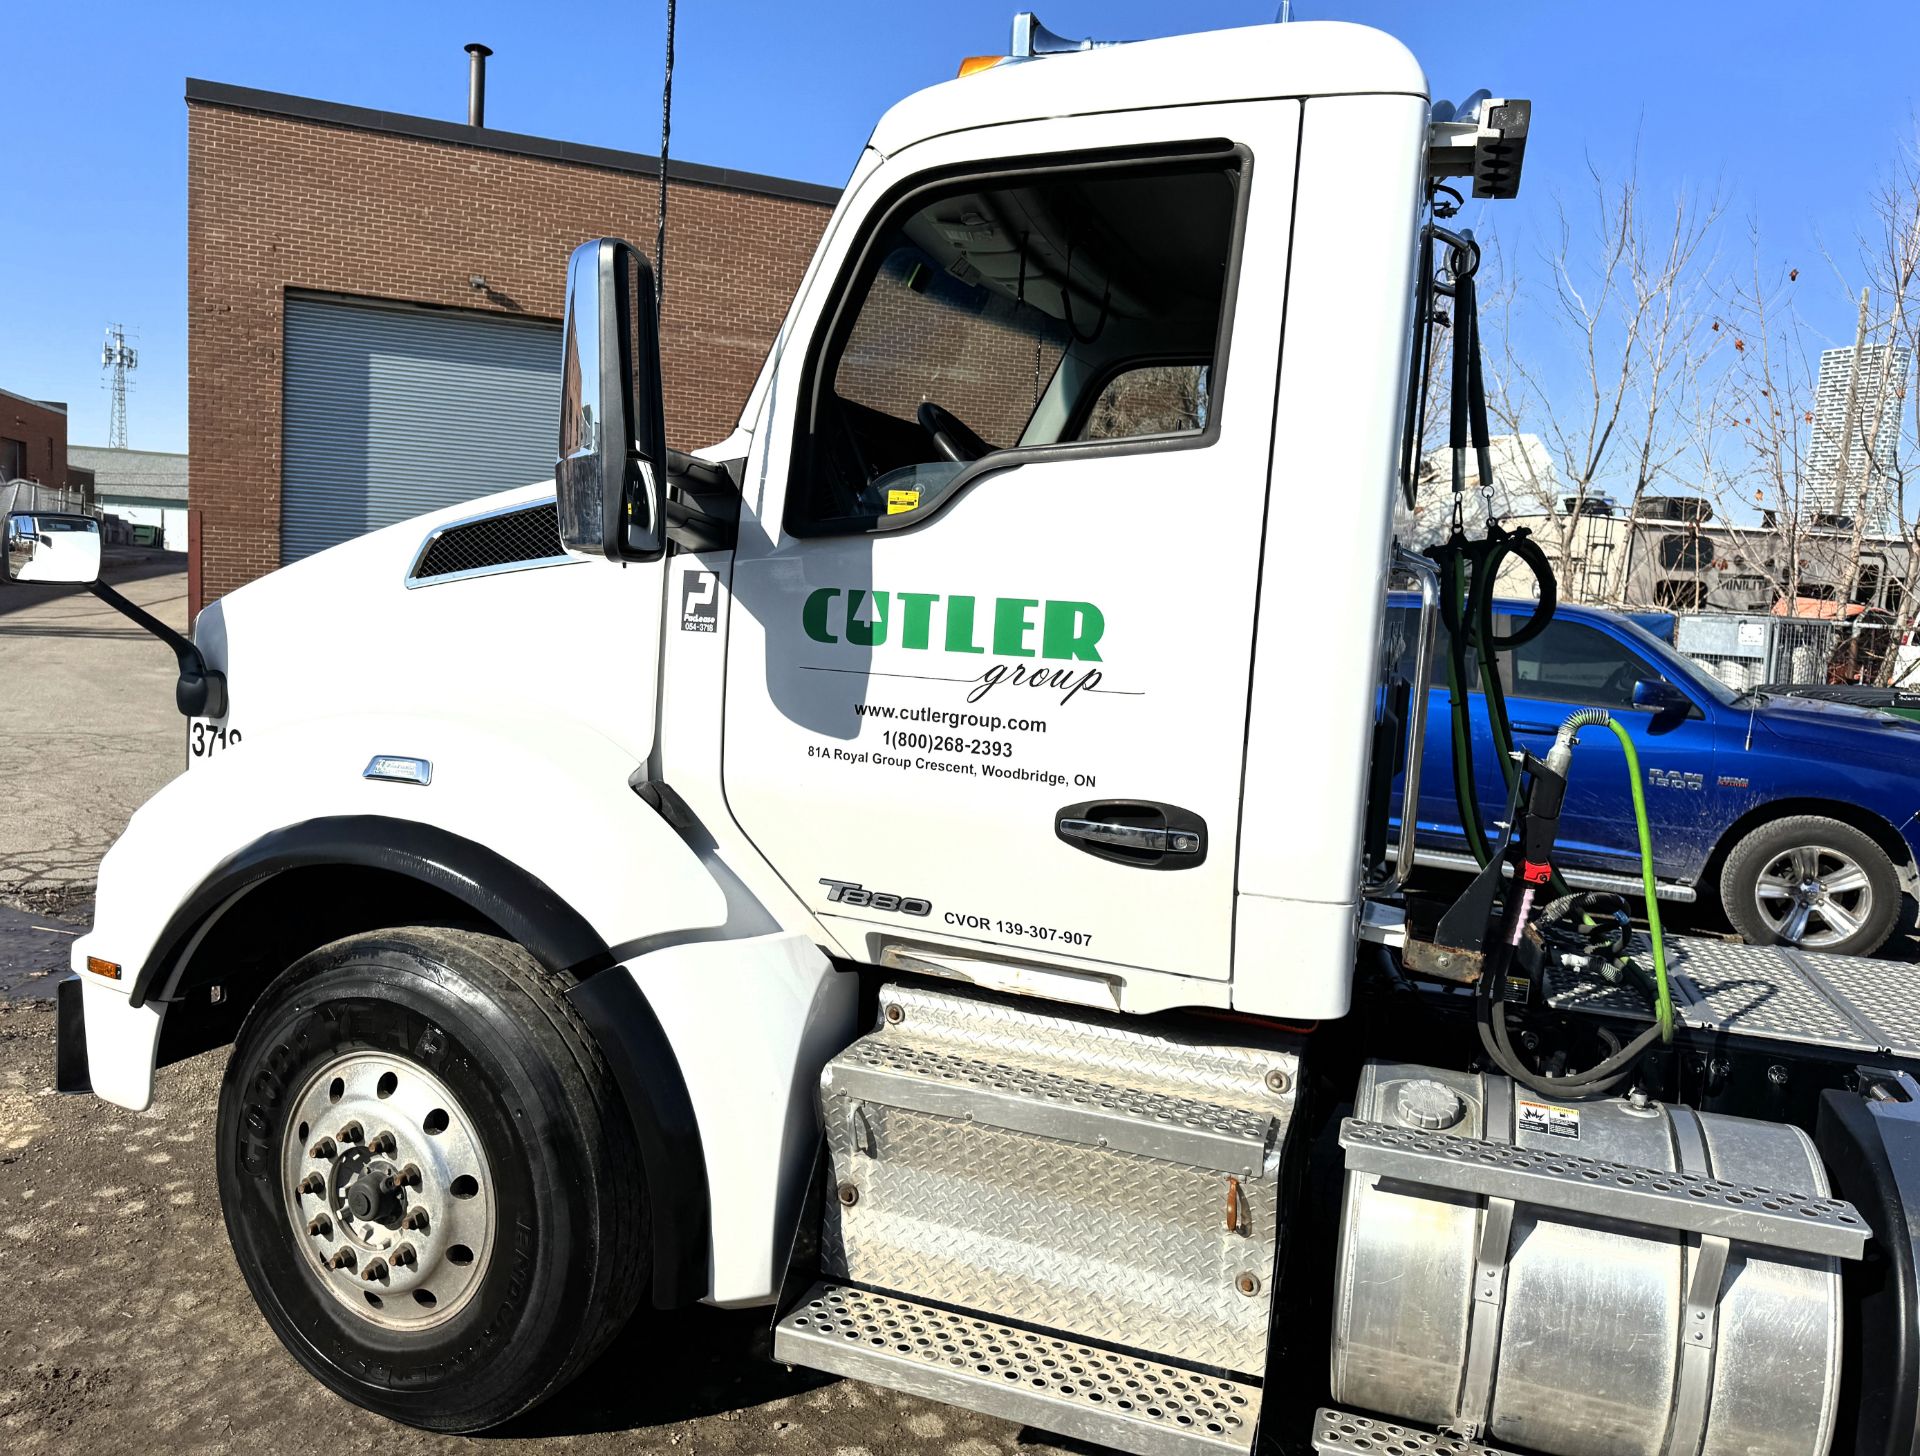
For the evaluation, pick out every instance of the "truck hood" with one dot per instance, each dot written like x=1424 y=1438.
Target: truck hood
x=1815 y=723
x=504 y=627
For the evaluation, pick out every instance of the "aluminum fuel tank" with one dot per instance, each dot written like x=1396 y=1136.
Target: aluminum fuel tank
x=1572 y=1333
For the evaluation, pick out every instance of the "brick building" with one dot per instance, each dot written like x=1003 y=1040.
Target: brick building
x=374 y=303
x=33 y=440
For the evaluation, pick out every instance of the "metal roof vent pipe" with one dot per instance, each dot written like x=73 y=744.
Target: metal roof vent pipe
x=477 y=84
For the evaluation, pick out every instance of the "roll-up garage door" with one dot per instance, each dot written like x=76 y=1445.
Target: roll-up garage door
x=392 y=411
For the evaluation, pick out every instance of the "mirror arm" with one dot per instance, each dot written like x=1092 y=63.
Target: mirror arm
x=201 y=692
x=692 y=527
x=703 y=509
x=704 y=476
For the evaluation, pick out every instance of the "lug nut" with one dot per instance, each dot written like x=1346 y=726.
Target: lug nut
x=325 y=1148
x=416 y=1220
x=375 y=1270
x=383 y=1143
x=321 y=1227
x=403 y=1257
x=342 y=1259
x=312 y=1183
x=407 y=1177
x=350 y=1133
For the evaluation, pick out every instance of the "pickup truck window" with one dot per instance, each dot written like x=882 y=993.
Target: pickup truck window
x=1574 y=663
x=1097 y=287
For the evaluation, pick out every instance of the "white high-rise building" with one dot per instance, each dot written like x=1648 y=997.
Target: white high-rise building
x=1838 y=468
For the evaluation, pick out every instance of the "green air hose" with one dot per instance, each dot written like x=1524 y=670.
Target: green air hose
x=1563 y=746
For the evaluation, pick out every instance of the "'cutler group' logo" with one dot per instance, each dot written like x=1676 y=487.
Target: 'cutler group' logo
x=700 y=602
x=1055 y=631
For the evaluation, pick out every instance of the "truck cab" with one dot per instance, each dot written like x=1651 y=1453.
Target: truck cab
x=878 y=866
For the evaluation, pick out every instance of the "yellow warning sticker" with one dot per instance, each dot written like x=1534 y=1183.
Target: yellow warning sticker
x=901 y=501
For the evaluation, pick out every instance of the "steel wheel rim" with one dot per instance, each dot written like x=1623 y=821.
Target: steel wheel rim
x=388 y=1191
x=1813 y=895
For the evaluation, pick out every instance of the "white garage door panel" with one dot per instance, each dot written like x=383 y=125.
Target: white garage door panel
x=390 y=412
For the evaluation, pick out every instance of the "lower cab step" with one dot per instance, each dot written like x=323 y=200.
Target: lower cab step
x=1053 y=1384
x=1339 y=1433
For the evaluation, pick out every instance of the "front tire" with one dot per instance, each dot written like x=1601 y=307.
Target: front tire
x=429 y=1179
x=1811 y=882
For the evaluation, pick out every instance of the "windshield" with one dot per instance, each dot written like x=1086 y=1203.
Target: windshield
x=65 y=523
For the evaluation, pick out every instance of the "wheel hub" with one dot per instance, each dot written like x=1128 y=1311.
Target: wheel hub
x=388 y=1190
x=1814 y=896
x=369 y=1199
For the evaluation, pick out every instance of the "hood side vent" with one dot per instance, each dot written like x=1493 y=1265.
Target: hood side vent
x=519 y=538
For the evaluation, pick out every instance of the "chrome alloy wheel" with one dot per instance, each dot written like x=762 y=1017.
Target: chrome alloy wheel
x=388 y=1190
x=1813 y=896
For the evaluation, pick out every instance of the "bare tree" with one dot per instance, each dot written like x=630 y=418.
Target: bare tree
x=1631 y=292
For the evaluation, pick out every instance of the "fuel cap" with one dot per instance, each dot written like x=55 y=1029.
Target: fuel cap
x=1425 y=1103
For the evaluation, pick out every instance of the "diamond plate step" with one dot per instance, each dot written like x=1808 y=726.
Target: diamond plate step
x=1048 y=1102
x=1054 y=1384
x=1687 y=1201
x=1337 y=1433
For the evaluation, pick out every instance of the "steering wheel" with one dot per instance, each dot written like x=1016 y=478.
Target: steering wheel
x=1621 y=681
x=951 y=437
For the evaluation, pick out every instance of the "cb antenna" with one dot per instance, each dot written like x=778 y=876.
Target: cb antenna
x=119 y=356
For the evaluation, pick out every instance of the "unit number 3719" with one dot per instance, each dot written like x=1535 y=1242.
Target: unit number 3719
x=206 y=739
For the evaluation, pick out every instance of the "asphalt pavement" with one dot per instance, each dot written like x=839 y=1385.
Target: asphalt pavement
x=124 y=1326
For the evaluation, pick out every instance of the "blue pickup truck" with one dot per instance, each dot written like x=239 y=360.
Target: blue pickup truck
x=1799 y=818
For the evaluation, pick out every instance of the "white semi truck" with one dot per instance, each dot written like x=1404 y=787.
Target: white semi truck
x=920 y=865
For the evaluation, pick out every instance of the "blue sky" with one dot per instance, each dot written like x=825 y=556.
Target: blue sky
x=1791 y=109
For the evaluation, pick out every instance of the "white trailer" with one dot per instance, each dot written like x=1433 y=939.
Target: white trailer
x=912 y=865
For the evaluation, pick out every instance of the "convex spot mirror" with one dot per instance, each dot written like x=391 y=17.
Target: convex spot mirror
x=611 y=475
x=51 y=548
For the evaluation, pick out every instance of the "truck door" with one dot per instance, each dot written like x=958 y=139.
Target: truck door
x=991 y=627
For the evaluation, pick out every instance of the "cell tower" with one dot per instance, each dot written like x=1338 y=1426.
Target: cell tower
x=119 y=356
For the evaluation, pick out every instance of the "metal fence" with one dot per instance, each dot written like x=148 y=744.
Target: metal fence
x=1753 y=651
x=1747 y=651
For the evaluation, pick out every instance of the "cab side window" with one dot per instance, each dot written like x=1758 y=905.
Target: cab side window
x=1574 y=663
x=1026 y=309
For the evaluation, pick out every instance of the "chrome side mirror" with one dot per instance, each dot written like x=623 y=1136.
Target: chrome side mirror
x=611 y=476
x=51 y=549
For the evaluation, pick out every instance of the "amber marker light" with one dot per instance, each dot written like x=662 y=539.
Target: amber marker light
x=109 y=969
x=973 y=65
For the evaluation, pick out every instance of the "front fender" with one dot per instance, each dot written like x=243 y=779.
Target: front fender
x=547 y=795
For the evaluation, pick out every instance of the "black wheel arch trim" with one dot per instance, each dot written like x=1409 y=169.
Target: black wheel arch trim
x=526 y=909
x=523 y=906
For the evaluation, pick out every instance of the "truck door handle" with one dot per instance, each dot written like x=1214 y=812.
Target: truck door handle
x=1139 y=832
x=1533 y=728
x=1133 y=836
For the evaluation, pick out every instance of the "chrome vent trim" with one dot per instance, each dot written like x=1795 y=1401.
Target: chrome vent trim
x=512 y=538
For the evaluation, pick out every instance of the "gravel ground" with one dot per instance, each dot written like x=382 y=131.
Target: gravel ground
x=123 y=1314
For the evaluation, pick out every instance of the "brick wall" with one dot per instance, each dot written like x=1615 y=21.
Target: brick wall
x=42 y=429
x=277 y=202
